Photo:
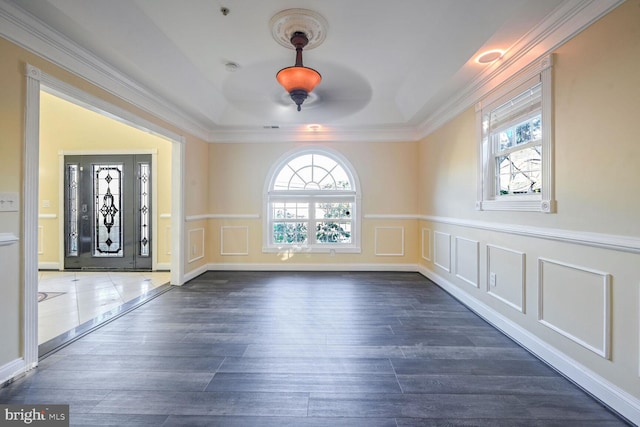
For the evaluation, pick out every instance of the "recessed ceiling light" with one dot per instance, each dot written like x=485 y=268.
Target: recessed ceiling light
x=314 y=127
x=489 y=56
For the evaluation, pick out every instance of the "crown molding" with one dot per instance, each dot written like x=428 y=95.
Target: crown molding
x=329 y=134
x=564 y=23
x=28 y=32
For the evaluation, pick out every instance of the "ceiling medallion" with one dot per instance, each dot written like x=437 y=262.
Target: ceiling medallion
x=284 y=24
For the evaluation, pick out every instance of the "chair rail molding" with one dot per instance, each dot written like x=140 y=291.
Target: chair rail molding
x=585 y=238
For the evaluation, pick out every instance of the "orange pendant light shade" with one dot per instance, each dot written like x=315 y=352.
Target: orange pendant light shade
x=298 y=80
x=301 y=78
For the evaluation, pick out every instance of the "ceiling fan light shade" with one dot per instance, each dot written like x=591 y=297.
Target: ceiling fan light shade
x=298 y=78
x=298 y=82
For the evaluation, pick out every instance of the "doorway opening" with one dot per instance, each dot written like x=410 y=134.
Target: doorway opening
x=116 y=249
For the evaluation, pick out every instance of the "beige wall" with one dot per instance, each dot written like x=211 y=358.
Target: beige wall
x=12 y=89
x=597 y=156
x=66 y=127
x=388 y=178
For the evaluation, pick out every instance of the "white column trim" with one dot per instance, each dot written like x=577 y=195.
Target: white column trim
x=178 y=154
x=30 y=216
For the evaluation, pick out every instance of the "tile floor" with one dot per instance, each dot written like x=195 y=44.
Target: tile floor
x=67 y=299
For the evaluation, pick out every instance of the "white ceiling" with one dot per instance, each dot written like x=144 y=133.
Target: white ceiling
x=390 y=69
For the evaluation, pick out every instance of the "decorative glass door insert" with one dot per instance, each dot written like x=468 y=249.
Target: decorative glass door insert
x=107 y=180
x=108 y=212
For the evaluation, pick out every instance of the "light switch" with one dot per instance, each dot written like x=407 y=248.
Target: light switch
x=9 y=202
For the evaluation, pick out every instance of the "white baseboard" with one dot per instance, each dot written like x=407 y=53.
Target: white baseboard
x=12 y=370
x=195 y=273
x=49 y=266
x=619 y=400
x=312 y=267
x=163 y=266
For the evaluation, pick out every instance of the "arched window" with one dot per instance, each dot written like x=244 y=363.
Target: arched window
x=312 y=202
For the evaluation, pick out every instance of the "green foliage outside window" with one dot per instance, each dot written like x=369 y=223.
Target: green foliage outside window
x=332 y=231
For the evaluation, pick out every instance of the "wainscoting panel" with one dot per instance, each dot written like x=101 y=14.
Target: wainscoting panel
x=40 y=240
x=509 y=276
x=234 y=240
x=196 y=244
x=467 y=260
x=167 y=238
x=587 y=292
x=426 y=244
x=442 y=250
x=389 y=241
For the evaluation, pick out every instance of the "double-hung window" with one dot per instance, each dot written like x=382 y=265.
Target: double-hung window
x=515 y=132
x=312 y=204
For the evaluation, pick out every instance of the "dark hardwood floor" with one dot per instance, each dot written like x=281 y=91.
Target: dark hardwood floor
x=305 y=349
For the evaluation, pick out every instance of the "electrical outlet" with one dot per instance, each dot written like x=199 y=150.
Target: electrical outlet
x=9 y=202
x=492 y=279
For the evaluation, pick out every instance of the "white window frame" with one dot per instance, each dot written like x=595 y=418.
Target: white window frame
x=487 y=197
x=312 y=196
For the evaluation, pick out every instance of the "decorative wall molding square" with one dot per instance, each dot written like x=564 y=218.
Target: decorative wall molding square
x=167 y=231
x=514 y=261
x=426 y=244
x=40 y=240
x=442 y=250
x=195 y=244
x=387 y=239
x=596 y=311
x=236 y=235
x=467 y=260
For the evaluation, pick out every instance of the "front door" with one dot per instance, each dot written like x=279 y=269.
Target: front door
x=107 y=212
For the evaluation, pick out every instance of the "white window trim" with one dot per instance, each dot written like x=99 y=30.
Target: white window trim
x=311 y=197
x=545 y=202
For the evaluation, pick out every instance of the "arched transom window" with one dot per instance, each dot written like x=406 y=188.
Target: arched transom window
x=312 y=202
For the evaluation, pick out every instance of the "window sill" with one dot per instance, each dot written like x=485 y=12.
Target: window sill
x=312 y=249
x=536 y=205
